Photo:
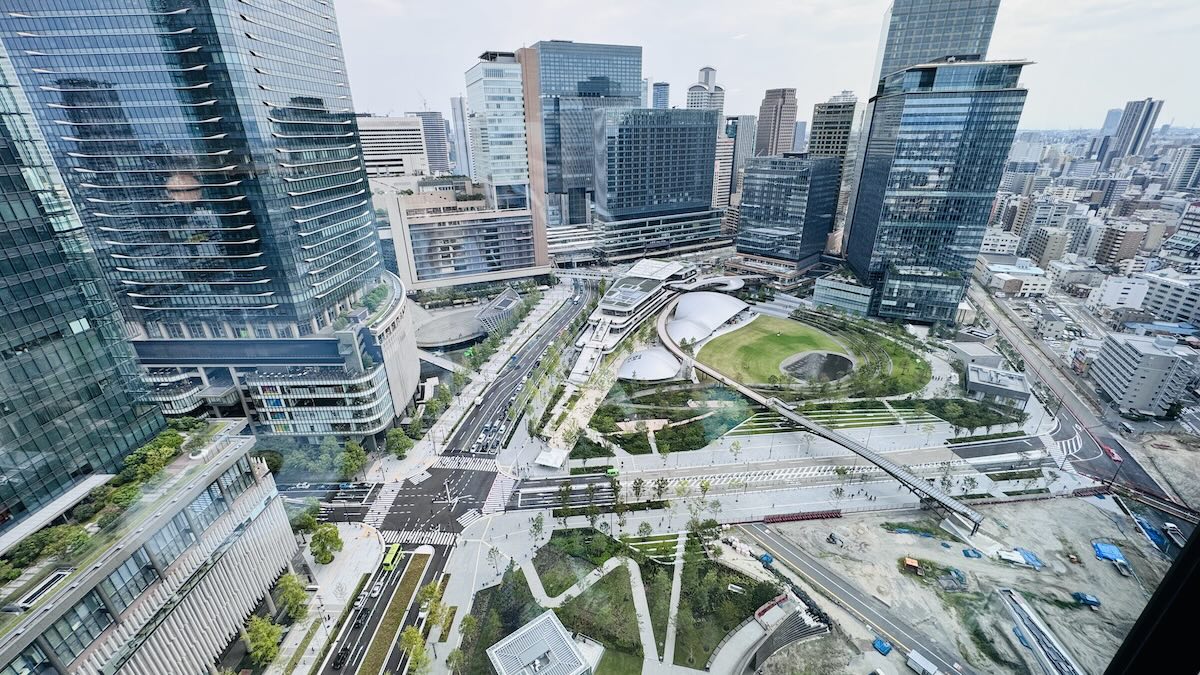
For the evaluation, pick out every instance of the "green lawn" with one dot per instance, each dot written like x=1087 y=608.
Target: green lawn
x=619 y=663
x=753 y=353
x=657 y=581
x=605 y=613
x=558 y=570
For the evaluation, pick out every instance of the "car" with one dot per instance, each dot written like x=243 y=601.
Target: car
x=1112 y=454
x=341 y=657
x=501 y=430
x=423 y=612
x=358 y=622
x=377 y=589
x=362 y=600
x=301 y=486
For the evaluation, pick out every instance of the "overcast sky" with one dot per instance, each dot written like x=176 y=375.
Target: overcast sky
x=1091 y=55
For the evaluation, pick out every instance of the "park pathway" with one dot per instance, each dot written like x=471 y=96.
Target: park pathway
x=640 y=605
x=672 y=613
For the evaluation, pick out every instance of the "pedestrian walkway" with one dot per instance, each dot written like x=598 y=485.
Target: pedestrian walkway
x=498 y=496
x=469 y=517
x=418 y=537
x=382 y=505
x=676 y=590
x=465 y=463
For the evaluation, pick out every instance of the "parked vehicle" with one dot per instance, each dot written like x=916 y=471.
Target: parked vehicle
x=882 y=646
x=919 y=663
x=1175 y=534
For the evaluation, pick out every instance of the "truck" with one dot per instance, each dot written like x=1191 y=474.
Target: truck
x=1175 y=534
x=919 y=663
x=766 y=559
x=882 y=646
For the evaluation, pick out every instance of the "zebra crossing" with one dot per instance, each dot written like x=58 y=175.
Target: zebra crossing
x=1071 y=445
x=469 y=517
x=465 y=463
x=419 y=477
x=382 y=504
x=418 y=537
x=497 y=499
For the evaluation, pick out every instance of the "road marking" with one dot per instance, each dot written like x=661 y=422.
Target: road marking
x=469 y=517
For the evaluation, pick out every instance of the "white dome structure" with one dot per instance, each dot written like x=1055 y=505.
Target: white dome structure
x=650 y=365
x=698 y=314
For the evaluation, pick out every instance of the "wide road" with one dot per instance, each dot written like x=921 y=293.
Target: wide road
x=873 y=612
x=1089 y=458
x=493 y=408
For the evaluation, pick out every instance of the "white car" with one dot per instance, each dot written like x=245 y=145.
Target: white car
x=376 y=589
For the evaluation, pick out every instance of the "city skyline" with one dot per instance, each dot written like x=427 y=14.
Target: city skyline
x=1059 y=37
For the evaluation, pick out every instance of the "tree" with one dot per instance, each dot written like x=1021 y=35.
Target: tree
x=660 y=488
x=262 y=639
x=735 y=449
x=591 y=493
x=593 y=514
x=430 y=598
x=292 y=596
x=456 y=661
x=468 y=628
x=352 y=460
x=837 y=493
x=493 y=556
x=644 y=530
x=325 y=542
x=537 y=526
x=969 y=485
x=638 y=486
x=705 y=486
x=62 y=540
x=398 y=443
x=413 y=642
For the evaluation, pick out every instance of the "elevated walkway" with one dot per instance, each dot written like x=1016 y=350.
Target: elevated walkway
x=440 y=361
x=920 y=486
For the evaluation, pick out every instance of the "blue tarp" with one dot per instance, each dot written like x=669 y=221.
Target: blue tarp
x=1159 y=539
x=971 y=553
x=1031 y=558
x=904 y=530
x=1108 y=552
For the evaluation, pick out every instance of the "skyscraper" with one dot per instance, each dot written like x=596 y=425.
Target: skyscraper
x=723 y=171
x=393 y=146
x=776 y=122
x=218 y=164
x=569 y=81
x=497 y=129
x=706 y=94
x=1185 y=169
x=642 y=209
x=1135 y=129
x=787 y=207
x=464 y=163
x=800 y=136
x=832 y=135
x=1112 y=120
x=662 y=95
x=73 y=405
x=437 y=139
x=920 y=31
x=924 y=199
x=743 y=129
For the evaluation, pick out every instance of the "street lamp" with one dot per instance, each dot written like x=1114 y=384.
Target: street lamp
x=1115 y=474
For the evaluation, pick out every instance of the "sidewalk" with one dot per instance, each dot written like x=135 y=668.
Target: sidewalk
x=361 y=554
x=422 y=455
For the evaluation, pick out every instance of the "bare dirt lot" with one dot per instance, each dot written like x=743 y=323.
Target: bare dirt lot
x=974 y=619
x=1177 y=458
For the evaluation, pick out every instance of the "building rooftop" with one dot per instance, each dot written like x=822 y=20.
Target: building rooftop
x=699 y=313
x=995 y=377
x=656 y=269
x=974 y=349
x=649 y=365
x=542 y=646
x=1152 y=346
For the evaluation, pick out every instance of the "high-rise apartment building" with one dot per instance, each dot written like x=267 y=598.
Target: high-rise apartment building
x=437 y=139
x=73 y=405
x=1047 y=245
x=776 y=122
x=565 y=82
x=228 y=204
x=497 y=129
x=920 y=31
x=923 y=200
x=1185 y=169
x=1137 y=125
x=787 y=207
x=393 y=146
x=706 y=94
x=661 y=96
x=723 y=171
x=1119 y=240
x=1143 y=374
x=641 y=208
x=464 y=163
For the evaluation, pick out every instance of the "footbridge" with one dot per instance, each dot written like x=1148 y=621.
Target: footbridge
x=928 y=492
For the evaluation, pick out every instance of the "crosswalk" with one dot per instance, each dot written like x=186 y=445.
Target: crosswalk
x=469 y=517
x=465 y=463
x=382 y=504
x=497 y=499
x=418 y=537
x=419 y=477
x=1071 y=445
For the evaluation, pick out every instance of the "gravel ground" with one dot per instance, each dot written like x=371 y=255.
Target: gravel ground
x=1177 y=459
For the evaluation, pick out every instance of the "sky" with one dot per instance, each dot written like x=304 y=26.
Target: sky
x=1090 y=55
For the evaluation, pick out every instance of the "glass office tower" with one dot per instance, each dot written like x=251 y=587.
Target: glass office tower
x=574 y=79
x=787 y=207
x=920 y=31
x=938 y=143
x=496 y=124
x=212 y=149
x=70 y=399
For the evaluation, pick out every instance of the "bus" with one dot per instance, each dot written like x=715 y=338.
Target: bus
x=392 y=557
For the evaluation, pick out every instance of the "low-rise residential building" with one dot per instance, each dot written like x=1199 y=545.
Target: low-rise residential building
x=1143 y=374
x=166 y=587
x=997 y=386
x=1051 y=323
x=1118 y=293
x=1048 y=244
x=975 y=353
x=1064 y=273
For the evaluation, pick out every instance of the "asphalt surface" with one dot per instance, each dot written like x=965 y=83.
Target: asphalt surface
x=873 y=612
x=1075 y=415
x=495 y=400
